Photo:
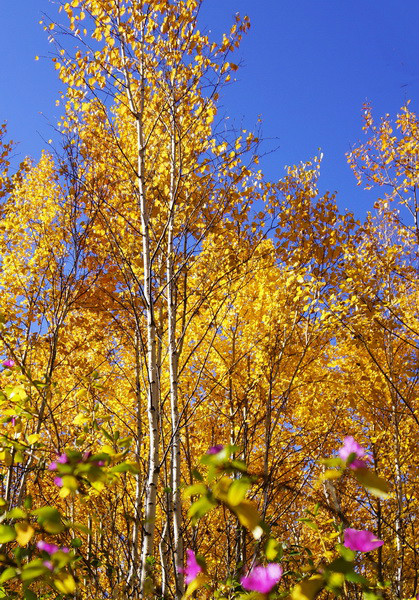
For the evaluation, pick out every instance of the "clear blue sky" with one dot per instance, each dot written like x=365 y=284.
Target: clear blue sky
x=306 y=68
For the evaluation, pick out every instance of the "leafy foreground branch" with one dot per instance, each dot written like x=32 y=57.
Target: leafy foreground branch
x=41 y=547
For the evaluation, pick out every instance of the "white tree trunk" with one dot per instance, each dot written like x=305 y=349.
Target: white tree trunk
x=173 y=373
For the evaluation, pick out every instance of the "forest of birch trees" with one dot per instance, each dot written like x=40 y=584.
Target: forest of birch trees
x=160 y=297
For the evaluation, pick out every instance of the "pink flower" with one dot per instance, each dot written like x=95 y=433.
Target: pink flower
x=62 y=459
x=360 y=540
x=192 y=567
x=48 y=564
x=58 y=481
x=8 y=364
x=352 y=448
x=50 y=548
x=262 y=579
x=215 y=449
x=46 y=547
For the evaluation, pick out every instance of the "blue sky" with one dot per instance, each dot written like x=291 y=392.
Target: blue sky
x=306 y=68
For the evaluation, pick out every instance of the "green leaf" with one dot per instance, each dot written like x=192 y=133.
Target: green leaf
x=76 y=543
x=33 y=570
x=239 y=465
x=357 y=578
x=81 y=527
x=332 y=462
x=30 y=595
x=347 y=554
x=197 y=489
x=47 y=513
x=101 y=456
x=340 y=565
x=371 y=482
x=197 y=475
x=200 y=508
x=309 y=523
x=7 y=574
x=49 y=518
x=124 y=468
x=106 y=434
x=238 y=490
x=16 y=513
x=7 y=534
x=368 y=595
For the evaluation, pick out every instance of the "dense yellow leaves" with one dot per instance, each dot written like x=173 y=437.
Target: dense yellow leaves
x=292 y=326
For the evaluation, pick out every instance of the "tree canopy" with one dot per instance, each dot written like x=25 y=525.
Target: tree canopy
x=160 y=297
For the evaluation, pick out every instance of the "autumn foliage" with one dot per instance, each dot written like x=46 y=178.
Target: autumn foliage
x=160 y=298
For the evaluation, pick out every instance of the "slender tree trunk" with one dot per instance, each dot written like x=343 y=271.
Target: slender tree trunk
x=153 y=404
x=135 y=540
x=173 y=373
x=399 y=507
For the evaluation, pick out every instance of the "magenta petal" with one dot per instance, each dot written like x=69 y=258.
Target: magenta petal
x=62 y=459
x=361 y=540
x=58 y=481
x=46 y=547
x=192 y=567
x=215 y=449
x=350 y=446
x=52 y=466
x=48 y=564
x=262 y=579
x=8 y=364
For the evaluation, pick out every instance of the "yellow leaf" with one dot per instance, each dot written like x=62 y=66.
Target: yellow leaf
x=98 y=485
x=221 y=488
x=64 y=492
x=374 y=484
x=331 y=474
x=80 y=419
x=249 y=517
x=308 y=588
x=198 y=582
x=66 y=584
x=24 y=533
